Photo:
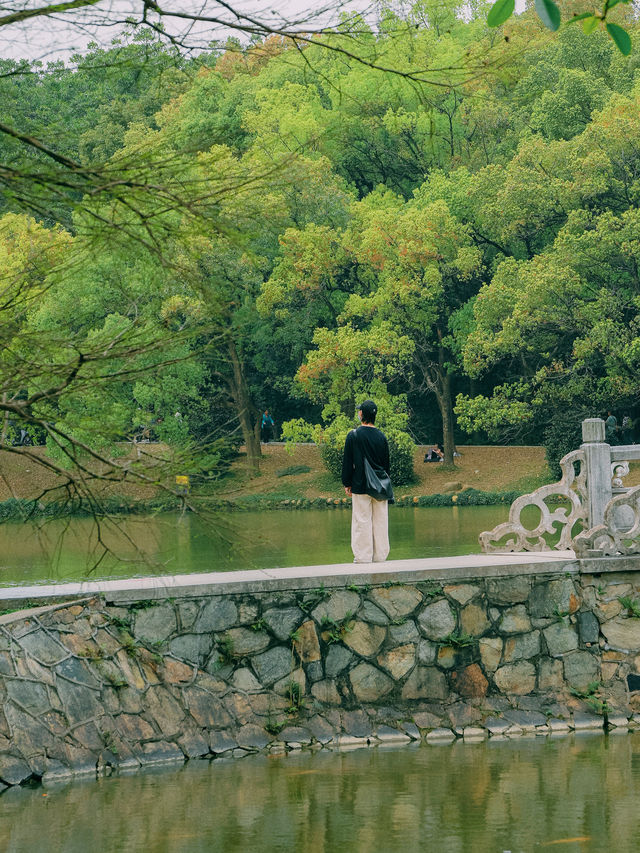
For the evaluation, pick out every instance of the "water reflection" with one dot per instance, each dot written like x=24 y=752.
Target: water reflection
x=176 y=544
x=519 y=796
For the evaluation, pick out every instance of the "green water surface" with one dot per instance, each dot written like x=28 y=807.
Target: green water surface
x=570 y=794
x=169 y=543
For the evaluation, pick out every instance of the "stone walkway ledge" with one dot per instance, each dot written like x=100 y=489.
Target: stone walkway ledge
x=446 y=569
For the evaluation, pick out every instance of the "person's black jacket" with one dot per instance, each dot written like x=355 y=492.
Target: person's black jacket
x=367 y=440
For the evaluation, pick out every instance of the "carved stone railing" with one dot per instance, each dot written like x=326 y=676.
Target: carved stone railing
x=603 y=517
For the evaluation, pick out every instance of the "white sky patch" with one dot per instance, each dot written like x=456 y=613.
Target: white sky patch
x=54 y=37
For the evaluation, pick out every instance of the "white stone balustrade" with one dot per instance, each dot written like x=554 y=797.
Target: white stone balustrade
x=589 y=510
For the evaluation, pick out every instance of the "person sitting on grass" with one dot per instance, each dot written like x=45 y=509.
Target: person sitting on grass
x=434 y=454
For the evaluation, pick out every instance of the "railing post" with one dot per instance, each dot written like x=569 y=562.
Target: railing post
x=597 y=455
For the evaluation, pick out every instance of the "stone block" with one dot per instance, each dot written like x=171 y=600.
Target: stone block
x=560 y=638
x=558 y=726
x=176 y=672
x=470 y=682
x=490 y=652
x=373 y=614
x=440 y=735
x=252 y=737
x=161 y=752
x=521 y=647
x=205 y=708
x=43 y=647
x=364 y=638
x=425 y=682
x=473 y=620
x=437 y=620
x=461 y=592
x=508 y=590
x=446 y=657
x=30 y=695
x=134 y=728
x=78 y=671
x=356 y=723
x=496 y=725
x=474 y=733
x=6 y=664
x=586 y=722
x=398 y=661
x=549 y=598
x=369 y=683
x=515 y=620
x=516 y=678
x=306 y=644
x=315 y=670
x=396 y=601
x=155 y=624
x=130 y=670
x=165 y=710
x=622 y=633
x=588 y=627
x=218 y=614
x=550 y=674
x=187 y=614
x=426 y=720
x=581 y=669
x=247 y=613
x=295 y=734
x=321 y=730
x=282 y=622
x=238 y=706
x=194 y=648
x=243 y=641
x=337 y=607
x=463 y=714
x=405 y=633
x=527 y=720
x=245 y=681
x=292 y=685
x=412 y=730
x=272 y=665
x=385 y=734
x=326 y=692
x=13 y=770
x=427 y=652
x=194 y=744
x=338 y=658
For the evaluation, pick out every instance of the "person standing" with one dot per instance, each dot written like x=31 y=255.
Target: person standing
x=369 y=516
x=266 y=426
x=611 y=429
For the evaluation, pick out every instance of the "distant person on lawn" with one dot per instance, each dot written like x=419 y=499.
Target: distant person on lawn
x=266 y=427
x=369 y=517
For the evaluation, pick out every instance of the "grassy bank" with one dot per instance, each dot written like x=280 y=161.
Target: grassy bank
x=481 y=476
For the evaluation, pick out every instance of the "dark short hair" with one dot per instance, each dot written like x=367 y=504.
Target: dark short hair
x=369 y=411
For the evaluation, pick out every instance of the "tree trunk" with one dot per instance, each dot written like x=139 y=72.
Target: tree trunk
x=247 y=413
x=446 y=410
x=438 y=380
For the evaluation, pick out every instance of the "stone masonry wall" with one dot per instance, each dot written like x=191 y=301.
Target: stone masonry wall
x=89 y=686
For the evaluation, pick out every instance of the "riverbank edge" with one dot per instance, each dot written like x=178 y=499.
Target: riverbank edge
x=121 y=675
x=21 y=510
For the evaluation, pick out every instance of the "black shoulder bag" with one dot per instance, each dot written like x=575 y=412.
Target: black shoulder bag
x=378 y=482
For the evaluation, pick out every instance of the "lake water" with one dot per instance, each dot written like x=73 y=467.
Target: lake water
x=169 y=543
x=575 y=793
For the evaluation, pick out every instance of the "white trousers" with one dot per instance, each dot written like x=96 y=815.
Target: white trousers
x=369 y=529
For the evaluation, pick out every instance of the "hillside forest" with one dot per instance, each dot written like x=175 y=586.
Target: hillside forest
x=189 y=239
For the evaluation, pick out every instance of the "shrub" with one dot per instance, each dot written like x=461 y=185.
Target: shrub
x=563 y=435
x=400 y=451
